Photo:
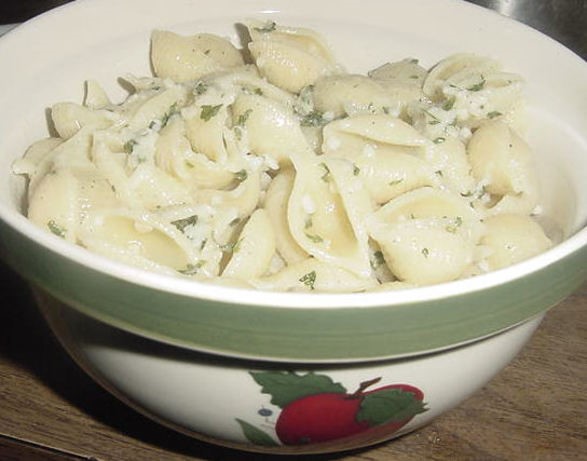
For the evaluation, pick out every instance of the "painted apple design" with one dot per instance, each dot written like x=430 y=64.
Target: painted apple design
x=317 y=410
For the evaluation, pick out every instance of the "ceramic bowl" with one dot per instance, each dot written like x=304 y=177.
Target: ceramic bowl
x=271 y=348
x=280 y=408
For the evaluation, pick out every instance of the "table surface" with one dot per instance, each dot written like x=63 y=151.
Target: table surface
x=535 y=409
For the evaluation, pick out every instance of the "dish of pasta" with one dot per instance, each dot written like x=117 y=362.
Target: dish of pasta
x=271 y=167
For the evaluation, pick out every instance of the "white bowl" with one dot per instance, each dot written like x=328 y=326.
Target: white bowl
x=242 y=404
x=212 y=336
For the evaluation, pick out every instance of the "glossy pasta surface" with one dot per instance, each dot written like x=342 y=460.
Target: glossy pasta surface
x=273 y=168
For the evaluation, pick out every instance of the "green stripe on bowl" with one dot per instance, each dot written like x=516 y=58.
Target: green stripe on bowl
x=290 y=334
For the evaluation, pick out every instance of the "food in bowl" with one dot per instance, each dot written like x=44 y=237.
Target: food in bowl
x=404 y=337
x=276 y=169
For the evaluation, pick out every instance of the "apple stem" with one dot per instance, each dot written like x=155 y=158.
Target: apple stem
x=364 y=385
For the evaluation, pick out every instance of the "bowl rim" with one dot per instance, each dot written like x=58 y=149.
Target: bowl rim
x=300 y=300
x=251 y=296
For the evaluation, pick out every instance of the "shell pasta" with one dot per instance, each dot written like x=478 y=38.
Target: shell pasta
x=271 y=167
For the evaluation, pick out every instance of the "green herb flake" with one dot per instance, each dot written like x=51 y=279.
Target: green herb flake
x=313 y=119
x=314 y=238
x=478 y=86
x=435 y=120
x=182 y=224
x=192 y=269
x=209 y=111
x=200 y=88
x=475 y=194
x=425 y=252
x=395 y=182
x=242 y=118
x=452 y=227
x=377 y=260
x=494 y=114
x=309 y=279
x=269 y=26
x=356 y=170
x=56 y=229
x=326 y=176
x=449 y=104
x=129 y=146
x=173 y=109
x=241 y=175
x=439 y=140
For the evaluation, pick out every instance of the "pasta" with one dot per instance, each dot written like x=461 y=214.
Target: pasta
x=273 y=168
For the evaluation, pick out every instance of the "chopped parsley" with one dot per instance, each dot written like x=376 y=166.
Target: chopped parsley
x=258 y=91
x=56 y=229
x=269 y=26
x=452 y=228
x=209 y=111
x=129 y=146
x=309 y=279
x=326 y=176
x=494 y=114
x=314 y=238
x=172 y=110
x=314 y=118
x=377 y=260
x=356 y=170
x=439 y=140
x=242 y=118
x=241 y=175
x=476 y=194
x=425 y=252
x=200 y=88
x=478 y=86
x=395 y=182
x=435 y=120
x=183 y=223
x=449 y=104
x=192 y=269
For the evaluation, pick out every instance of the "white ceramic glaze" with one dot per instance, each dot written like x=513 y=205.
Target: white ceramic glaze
x=205 y=395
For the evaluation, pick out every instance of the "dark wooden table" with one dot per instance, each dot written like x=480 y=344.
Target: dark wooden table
x=536 y=409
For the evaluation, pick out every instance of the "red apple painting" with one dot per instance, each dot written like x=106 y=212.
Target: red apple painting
x=314 y=409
